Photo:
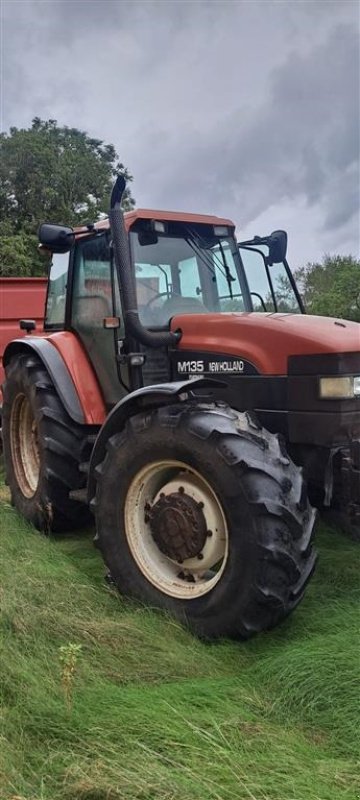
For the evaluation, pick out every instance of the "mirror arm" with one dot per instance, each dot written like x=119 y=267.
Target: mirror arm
x=294 y=286
x=271 y=284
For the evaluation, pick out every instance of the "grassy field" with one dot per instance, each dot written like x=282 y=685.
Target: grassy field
x=149 y=712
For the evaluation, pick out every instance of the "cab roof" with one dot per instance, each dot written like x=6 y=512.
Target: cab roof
x=131 y=217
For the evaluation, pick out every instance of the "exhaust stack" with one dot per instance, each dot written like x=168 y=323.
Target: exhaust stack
x=133 y=326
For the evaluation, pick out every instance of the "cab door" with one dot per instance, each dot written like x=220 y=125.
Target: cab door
x=95 y=296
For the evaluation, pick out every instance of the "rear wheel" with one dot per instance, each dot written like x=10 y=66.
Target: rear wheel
x=43 y=448
x=201 y=512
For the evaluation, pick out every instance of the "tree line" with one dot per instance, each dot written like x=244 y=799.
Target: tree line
x=50 y=173
x=60 y=174
x=331 y=288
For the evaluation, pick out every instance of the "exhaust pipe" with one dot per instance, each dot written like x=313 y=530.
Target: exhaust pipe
x=133 y=326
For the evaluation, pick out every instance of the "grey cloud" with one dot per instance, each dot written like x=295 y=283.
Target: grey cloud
x=228 y=107
x=343 y=202
x=304 y=140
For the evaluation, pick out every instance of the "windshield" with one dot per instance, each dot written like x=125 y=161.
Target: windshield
x=270 y=287
x=194 y=273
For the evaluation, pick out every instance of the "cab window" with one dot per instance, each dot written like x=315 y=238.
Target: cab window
x=184 y=273
x=286 y=299
x=92 y=302
x=56 y=296
x=270 y=288
x=92 y=292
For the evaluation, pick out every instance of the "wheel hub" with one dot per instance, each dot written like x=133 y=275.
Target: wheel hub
x=172 y=517
x=24 y=444
x=178 y=525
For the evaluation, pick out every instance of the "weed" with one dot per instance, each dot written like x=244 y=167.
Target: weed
x=69 y=654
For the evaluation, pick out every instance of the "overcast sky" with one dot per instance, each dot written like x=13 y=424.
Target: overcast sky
x=246 y=109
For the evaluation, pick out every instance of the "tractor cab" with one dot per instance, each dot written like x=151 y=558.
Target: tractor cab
x=179 y=264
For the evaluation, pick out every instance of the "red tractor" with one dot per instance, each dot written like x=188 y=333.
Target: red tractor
x=180 y=394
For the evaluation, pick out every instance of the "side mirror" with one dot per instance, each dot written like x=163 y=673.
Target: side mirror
x=277 y=242
x=56 y=238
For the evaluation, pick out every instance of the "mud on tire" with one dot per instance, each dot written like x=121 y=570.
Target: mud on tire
x=262 y=494
x=43 y=448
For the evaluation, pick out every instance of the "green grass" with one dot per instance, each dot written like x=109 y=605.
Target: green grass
x=156 y=714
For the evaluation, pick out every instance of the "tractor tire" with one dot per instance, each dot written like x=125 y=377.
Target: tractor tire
x=199 y=511
x=43 y=449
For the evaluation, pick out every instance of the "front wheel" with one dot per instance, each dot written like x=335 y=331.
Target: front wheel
x=43 y=448
x=201 y=512
x=176 y=529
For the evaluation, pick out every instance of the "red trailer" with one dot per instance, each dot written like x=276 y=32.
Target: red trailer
x=19 y=298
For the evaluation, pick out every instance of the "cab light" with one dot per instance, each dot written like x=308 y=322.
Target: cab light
x=158 y=226
x=221 y=230
x=339 y=388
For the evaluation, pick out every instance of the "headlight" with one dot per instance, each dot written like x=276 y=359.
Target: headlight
x=339 y=388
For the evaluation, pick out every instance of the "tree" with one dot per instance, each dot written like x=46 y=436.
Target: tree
x=331 y=288
x=55 y=174
x=19 y=255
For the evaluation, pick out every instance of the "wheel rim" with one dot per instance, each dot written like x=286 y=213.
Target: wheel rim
x=24 y=446
x=159 y=519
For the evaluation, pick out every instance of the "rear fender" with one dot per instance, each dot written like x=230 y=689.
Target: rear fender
x=56 y=364
x=149 y=397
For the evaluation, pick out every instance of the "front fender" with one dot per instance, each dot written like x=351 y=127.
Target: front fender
x=56 y=368
x=148 y=397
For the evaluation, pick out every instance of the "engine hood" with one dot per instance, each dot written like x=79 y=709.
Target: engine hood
x=267 y=340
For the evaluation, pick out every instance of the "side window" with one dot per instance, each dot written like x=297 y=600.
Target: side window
x=257 y=279
x=260 y=289
x=92 y=295
x=285 y=297
x=56 y=296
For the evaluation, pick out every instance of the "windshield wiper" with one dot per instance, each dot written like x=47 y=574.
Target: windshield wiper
x=198 y=246
x=229 y=277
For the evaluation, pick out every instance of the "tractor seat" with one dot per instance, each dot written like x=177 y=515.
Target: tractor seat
x=177 y=304
x=90 y=310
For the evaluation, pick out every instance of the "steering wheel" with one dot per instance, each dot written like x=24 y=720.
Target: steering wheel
x=160 y=294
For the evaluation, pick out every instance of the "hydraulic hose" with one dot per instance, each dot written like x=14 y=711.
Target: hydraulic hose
x=133 y=326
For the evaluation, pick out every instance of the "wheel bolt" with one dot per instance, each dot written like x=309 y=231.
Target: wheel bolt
x=200 y=556
x=181 y=490
x=201 y=504
x=209 y=534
